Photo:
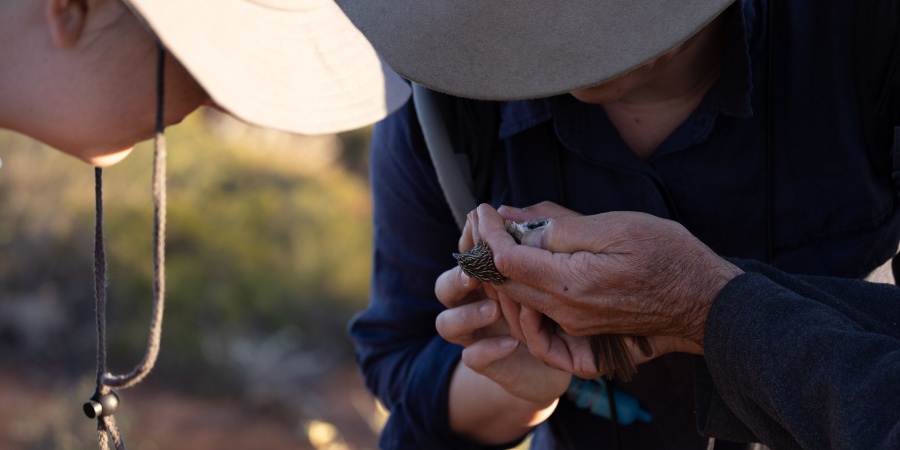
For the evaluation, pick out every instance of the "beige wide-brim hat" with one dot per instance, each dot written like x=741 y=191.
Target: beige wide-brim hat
x=293 y=65
x=515 y=49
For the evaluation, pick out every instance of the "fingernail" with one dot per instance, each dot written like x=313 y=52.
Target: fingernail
x=510 y=209
x=464 y=279
x=488 y=309
x=508 y=342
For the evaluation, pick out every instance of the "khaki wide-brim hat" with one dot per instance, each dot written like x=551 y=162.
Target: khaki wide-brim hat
x=293 y=65
x=514 y=49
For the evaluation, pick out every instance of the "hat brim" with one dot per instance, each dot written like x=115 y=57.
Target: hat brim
x=514 y=49
x=294 y=65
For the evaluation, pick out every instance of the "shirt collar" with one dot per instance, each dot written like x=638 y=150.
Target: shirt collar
x=731 y=93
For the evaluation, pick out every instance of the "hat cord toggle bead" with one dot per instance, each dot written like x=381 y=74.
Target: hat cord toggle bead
x=101 y=405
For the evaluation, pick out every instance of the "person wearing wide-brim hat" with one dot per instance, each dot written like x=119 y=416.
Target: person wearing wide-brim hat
x=80 y=75
x=738 y=119
x=94 y=77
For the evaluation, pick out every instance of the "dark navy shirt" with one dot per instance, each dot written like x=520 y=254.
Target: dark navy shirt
x=811 y=203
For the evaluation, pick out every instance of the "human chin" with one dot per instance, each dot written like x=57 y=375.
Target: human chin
x=108 y=159
x=597 y=94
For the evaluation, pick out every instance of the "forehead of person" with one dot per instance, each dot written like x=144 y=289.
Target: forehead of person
x=82 y=74
x=519 y=49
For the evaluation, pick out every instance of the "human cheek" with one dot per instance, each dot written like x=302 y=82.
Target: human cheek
x=183 y=93
x=108 y=159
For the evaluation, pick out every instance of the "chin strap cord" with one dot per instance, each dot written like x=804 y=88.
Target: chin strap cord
x=104 y=402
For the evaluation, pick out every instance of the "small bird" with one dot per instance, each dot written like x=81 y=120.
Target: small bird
x=478 y=263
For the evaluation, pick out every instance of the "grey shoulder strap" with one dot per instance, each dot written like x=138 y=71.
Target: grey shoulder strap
x=432 y=110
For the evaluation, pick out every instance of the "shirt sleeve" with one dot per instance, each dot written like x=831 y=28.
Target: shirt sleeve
x=405 y=363
x=802 y=362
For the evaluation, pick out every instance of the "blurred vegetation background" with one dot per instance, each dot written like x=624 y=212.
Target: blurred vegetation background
x=268 y=257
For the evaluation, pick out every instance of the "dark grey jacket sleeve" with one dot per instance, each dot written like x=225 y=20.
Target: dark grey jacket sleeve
x=802 y=362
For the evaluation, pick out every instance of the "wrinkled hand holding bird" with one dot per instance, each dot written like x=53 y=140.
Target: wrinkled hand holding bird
x=622 y=273
x=609 y=352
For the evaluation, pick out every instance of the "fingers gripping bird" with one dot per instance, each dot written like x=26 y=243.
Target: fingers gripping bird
x=617 y=362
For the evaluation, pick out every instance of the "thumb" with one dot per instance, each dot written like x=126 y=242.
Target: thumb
x=480 y=355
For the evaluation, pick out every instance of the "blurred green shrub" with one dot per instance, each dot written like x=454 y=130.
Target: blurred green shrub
x=267 y=232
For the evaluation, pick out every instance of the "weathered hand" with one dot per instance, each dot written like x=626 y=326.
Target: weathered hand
x=610 y=352
x=574 y=354
x=614 y=273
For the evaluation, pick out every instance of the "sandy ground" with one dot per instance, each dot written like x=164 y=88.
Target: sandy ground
x=39 y=415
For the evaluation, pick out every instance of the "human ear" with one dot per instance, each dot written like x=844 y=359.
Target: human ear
x=65 y=18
